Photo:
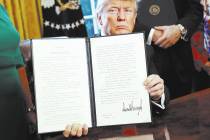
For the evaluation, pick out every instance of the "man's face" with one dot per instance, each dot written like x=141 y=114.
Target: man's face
x=118 y=17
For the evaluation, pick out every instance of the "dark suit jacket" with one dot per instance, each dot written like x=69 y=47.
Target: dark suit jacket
x=178 y=58
x=151 y=69
x=189 y=13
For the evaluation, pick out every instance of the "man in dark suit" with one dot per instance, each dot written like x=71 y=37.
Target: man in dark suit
x=172 y=49
x=119 y=17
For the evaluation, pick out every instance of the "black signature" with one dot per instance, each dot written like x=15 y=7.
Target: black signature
x=131 y=107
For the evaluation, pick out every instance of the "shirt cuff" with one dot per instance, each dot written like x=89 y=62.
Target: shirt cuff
x=149 y=39
x=161 y=103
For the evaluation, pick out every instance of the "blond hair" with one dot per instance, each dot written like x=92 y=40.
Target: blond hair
x=102 y=3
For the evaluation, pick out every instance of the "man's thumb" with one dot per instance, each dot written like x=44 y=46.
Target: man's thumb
x=160 y=28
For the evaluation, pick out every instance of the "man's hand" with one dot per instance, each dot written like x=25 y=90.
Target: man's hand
x=171 y=34
x=75 y=129
x=157 y=34
x=155 y=86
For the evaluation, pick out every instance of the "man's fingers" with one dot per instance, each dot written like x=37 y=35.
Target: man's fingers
x=153 y=80
x=157 y=87
x=160 y=40
x=79 y=131
x=149 y=79
x=74 y=129
x=157 y=34
x=156 y=95
x=170 y=36
x=67 y=131
x=165 y=43
x=157 y=92
x=85 y=129
x=160 y=27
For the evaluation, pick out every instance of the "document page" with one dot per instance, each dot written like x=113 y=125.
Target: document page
x=119 y=70
x=61 y=83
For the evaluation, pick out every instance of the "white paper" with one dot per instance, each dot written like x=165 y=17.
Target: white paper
x=119 y=70
x=61 y=83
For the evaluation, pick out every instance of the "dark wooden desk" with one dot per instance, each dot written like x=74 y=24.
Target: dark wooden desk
x=187 y=118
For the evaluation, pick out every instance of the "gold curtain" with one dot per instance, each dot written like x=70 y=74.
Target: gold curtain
x=26 y=16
